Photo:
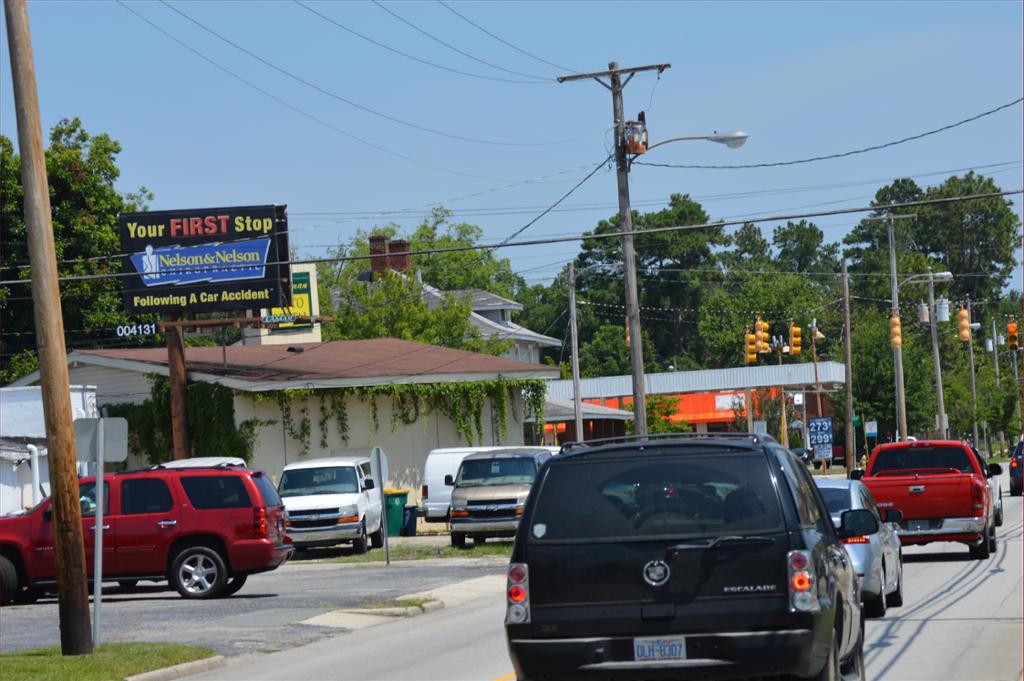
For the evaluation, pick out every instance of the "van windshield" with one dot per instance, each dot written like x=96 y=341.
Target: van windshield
x=643 y=496
x=327 y=480
x=490 y=472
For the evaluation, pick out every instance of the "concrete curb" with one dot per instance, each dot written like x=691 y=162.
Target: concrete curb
x=179 y=670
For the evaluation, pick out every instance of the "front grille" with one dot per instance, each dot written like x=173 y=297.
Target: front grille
x=314 y=511
x=492 y=502
x=312 y=524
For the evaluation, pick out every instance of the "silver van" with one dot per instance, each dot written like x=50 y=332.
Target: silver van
x=490 y=490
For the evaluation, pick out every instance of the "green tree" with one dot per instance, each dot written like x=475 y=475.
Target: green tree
x=82 y=171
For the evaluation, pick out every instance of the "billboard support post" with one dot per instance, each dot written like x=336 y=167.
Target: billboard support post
x=178 y=378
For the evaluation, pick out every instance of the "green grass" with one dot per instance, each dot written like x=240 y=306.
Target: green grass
x=420 y=552
x=108 y=662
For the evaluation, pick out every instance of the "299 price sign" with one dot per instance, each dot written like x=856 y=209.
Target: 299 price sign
x=819 y=437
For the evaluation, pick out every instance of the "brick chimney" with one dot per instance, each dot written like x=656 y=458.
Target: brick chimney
x=399 y=259
x=378 y=247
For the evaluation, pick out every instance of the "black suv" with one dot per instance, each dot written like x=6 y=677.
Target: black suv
x=686 y=558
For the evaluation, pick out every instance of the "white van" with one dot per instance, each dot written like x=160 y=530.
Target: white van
x=330 y=501
x=436 y=496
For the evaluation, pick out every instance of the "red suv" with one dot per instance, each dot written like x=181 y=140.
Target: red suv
x=204 y=530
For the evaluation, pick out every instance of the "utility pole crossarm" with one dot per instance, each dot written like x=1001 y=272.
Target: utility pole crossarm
x=597 y=75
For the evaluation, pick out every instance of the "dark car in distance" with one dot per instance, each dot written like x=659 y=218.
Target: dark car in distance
x=1017 y=469
x=706 y=557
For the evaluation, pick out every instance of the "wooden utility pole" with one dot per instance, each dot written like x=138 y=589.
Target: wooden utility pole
x=69 y=554
x=182 y=445
x=636 y=347
x=851 y=433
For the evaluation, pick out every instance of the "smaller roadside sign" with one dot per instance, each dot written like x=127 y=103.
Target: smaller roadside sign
x=871 y=428
x=819 y=437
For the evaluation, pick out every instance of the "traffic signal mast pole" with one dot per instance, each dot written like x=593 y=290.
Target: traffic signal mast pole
x=851 y=435
x=974 y=392
x=636 y=351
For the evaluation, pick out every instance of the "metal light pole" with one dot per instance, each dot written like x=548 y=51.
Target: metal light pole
x=974 y=392
x=943 y=426
x=576 y=397
x=615 y=85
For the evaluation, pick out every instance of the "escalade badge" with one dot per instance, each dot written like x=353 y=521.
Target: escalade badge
x=656 y=572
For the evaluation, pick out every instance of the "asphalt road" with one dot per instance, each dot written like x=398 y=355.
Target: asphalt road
x=265 y=615
x=961 y=621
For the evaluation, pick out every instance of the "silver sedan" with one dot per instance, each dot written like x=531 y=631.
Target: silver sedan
x=877 y=558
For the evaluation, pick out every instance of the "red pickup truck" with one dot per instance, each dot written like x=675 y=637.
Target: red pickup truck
x=940 y=488
x=204 y=530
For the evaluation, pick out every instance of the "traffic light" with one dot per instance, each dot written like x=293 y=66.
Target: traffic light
x=750 y=348
x=895 y=332
x=1011 y=336
x=758 y=335
x=795 y=337
x=766 y=339
x=963 y=324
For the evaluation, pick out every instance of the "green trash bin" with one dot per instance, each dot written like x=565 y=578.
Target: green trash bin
x=394 y=507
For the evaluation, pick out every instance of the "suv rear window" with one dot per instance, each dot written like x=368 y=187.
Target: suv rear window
x=520 y=471
x=267 y=491
x=655 y=496
x=908 y=458
x=216 y=491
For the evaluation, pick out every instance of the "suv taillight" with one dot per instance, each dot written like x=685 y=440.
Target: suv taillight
x=978 y=495
x=423 y=492
x=1013 y=463
x=802 y=596
x=259 y=522
x=517 y=593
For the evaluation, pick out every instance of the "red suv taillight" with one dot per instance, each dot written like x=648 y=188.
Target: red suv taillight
x=978 y=495
x=423 y=492
x=517 y=592
x=1013 y=463
x=259 y=522
x=802 y=596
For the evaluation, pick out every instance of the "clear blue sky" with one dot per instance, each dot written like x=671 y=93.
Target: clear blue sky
x=803 y=79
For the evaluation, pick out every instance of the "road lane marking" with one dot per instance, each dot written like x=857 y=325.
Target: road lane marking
x=507 y=677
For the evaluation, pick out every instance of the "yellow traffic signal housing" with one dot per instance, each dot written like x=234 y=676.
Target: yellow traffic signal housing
x=766 y=339
x=795 y=338
x=1011 y=335
x=758 y=335
x=895 y=332
x=963 y=324
x=750 y=348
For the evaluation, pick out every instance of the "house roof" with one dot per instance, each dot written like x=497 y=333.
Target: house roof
x=375 y=361
x=790 y=376
x=485 y=300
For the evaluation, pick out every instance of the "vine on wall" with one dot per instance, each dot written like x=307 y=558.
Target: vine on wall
x=211 y=422
x=463 y=403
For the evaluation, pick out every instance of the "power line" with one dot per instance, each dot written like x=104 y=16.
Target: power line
x=413 y=57
x=302 y=112
x=577 y=237
x=334 y=95
x=455 y=49
x=840 y=155
x=555 y=204
x=503 y=41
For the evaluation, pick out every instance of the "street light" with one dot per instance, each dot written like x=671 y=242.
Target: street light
x=733 y=140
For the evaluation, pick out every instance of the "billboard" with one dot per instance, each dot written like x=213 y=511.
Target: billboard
x=302 y=305
x=205 y=259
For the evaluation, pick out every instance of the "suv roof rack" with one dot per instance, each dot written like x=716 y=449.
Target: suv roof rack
x=753 y=438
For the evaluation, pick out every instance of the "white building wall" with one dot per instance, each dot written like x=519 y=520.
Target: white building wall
x=406 y=447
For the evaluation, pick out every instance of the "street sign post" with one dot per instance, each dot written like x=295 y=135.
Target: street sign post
x=819 y=436
x=871 y=429
x=104 y=439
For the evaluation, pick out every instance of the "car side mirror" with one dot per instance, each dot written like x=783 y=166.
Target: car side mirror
x=48 y=515
x=449 y=480
x=893 y=515
x=858 y=522
x=368 y=484
x=995 y=469
x=856 y=474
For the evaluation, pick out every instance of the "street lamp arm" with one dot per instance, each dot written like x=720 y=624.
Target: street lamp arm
x=733 y=140
x=678 y=139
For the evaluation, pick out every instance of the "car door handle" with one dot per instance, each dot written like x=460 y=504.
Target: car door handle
x=102 y=527
x=915 y=489
x=167 y=523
